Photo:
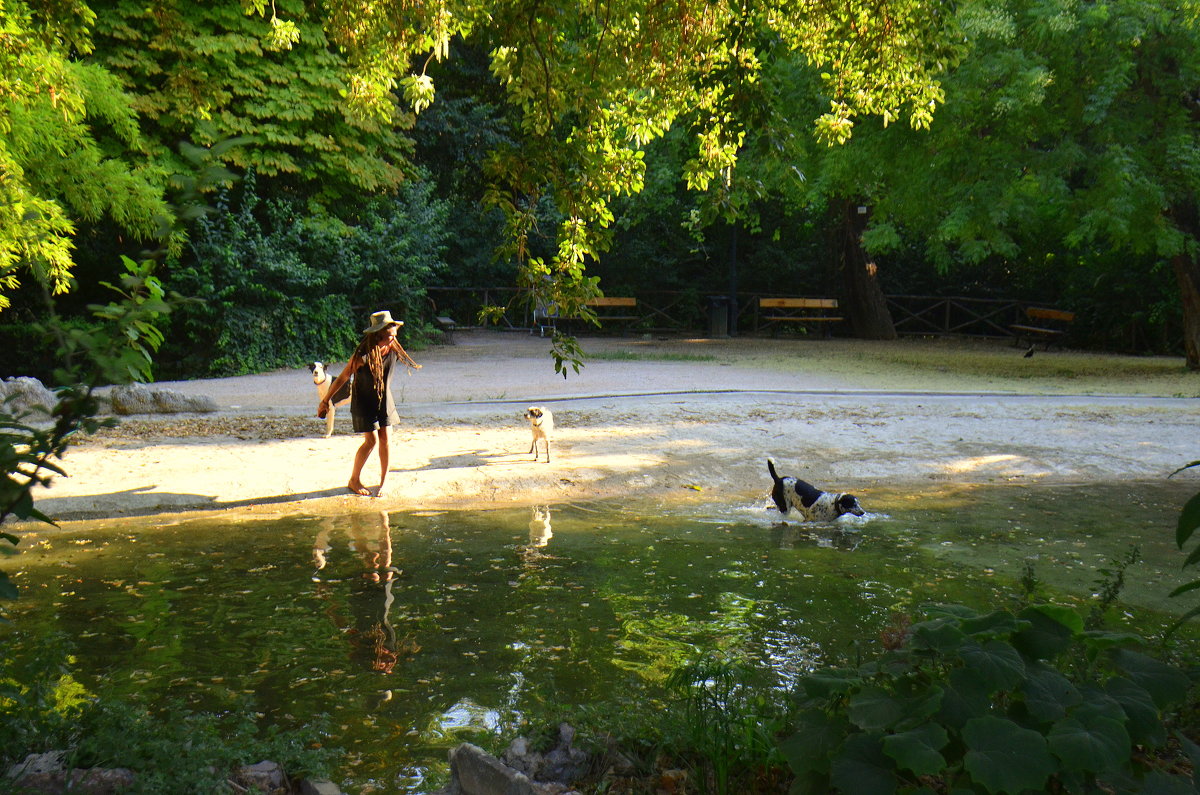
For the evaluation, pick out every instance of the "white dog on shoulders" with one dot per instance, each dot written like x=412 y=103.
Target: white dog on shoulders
x=323 y=380
x=541 y=424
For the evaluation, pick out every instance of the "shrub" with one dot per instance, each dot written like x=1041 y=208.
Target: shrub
x=279 y=286
x=992 y=703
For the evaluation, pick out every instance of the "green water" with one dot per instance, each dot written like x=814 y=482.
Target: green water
x=414 y=632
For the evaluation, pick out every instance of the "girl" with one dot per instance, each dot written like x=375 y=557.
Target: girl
x=371 y=403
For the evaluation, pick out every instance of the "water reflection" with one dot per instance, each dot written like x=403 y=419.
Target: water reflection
x=413 y=631
x=540 y=531
x=369 y=544
x=791 y=536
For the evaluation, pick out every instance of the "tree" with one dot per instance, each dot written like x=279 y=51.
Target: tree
x=206 y=72
x=1067 y=128
x=70 y=146
x=593 y=84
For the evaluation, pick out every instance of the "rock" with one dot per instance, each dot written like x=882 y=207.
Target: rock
x=565 y=763
x=36 y=764
x=319 y=787
x=475 y=772
x=24 y=395
x=141 y=399
x=264 y=776
x=46 y=773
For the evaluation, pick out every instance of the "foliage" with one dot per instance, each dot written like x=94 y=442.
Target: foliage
x=277 y=285
x=1064 y=161
x=116 y=350
x=996 y=702
x=728 y=721
x=205 y=72
x=1189 y=523
x=70 y=146
x=592 y=85
x=44 y=706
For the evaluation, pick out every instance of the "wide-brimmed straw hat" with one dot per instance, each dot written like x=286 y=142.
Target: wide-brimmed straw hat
x=380 y=321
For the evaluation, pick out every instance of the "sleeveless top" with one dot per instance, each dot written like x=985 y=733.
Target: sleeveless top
x=366 y=409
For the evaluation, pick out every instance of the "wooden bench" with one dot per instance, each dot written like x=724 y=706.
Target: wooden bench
x=611 y=309
x=447 y=325
x=820 y=312
x=1047 y=325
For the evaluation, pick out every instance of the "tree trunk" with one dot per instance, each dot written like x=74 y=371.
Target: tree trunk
x=1187 y=271
x=865 y=303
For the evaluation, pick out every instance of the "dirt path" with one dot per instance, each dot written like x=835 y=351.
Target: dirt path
x=662 y=419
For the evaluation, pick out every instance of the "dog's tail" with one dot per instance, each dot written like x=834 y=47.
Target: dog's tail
x=771 y=469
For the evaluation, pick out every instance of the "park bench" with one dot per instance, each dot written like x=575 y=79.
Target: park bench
x=1047 y=325
x=611 y=309
x=447 y=325
x=820 y=312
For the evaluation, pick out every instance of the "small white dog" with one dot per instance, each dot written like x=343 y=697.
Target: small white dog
x=541 y=423
x=324 y=380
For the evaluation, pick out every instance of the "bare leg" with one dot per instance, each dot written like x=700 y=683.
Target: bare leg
x=383 y=459
x=360 y=459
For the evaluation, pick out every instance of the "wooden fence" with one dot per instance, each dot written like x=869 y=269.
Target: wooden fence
x=682 y=312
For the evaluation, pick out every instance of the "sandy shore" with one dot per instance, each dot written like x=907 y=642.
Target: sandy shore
x=664 y=419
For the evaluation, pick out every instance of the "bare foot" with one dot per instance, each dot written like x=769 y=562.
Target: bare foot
x=358 y=488
x=379 y=491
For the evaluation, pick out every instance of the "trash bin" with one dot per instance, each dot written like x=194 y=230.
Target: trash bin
x=718 y=316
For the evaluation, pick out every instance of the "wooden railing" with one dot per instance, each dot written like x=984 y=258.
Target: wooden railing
x=679 y=311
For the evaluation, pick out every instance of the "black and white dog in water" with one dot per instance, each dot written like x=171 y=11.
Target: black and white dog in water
x=812 y=503
x=541 y=423
x=324 y=380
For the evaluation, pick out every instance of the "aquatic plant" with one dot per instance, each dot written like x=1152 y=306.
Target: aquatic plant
x=992 y=703
x=729 y=720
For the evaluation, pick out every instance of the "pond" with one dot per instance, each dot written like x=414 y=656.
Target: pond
x=414 y=632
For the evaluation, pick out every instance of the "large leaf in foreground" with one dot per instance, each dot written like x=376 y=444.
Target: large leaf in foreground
x=1006 y=758
x=918 y=750
x=863 y=768
x=1089 y=741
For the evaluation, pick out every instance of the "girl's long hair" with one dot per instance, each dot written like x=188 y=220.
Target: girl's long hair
x=369 y=351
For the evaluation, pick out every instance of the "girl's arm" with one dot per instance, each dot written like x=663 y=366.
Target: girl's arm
x=404 y=357
x=342 y=378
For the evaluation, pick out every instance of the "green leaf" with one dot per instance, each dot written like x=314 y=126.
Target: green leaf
x=1185 y=588
x=1005 y=757
x=863 y=768
x=1165 y=684
x=965 y=698
x=1192 y=751
x=1156 y=782
x=1143 y=720
x=1000 y=622
x=1048 y=633
x=1048 y=694
x=952 y=611
x=816 y=739
x=874 y=708
x=997 y=663
x=1090 y=743
x=919 y=749
x=1102 y=640
x=1189 y=520
x=941 y=635
x=829 y=682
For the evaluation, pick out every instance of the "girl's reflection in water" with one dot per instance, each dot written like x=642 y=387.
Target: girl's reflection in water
x=370 y=541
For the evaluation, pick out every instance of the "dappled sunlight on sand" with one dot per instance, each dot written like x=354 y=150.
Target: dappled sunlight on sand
x=1004 y=463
